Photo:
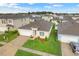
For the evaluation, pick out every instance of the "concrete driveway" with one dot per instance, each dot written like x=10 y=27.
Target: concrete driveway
x=66 y=50
x=10 y=48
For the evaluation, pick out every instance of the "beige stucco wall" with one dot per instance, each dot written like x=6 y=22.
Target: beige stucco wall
x=47 y=18
x=17 y=22
x=46 y=34
x=20 y=22
x=0 y=21
x=2 y=24
x=30 y=32
x=11 y=23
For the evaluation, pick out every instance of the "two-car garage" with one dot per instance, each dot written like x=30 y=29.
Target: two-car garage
x=68 y=38
x=68 y=32
x=25 y=32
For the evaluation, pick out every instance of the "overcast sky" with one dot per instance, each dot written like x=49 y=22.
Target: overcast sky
x=33 y=7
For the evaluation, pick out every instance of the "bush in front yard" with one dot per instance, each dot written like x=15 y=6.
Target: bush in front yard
x=46 y=39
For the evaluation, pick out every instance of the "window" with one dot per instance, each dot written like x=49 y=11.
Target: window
x=3 y=22
x=41 y=33
x=10 y=21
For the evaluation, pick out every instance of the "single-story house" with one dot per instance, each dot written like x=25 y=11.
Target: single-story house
x=38 y=28
x=68 y=32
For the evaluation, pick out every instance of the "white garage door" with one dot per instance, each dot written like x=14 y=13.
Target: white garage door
x=25 y=32
x=68 y=38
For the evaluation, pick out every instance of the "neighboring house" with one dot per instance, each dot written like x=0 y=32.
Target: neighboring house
x=35 y=15
x=68 y=32
x=57 y=20
x=74 y=17
x=62 y=19
x=15 y=20
x=77 y=20
x=47 y=17
x=38 y=28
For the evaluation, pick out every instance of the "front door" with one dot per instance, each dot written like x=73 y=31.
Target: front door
x=34 y=32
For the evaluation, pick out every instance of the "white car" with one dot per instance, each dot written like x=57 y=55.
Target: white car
x=75 y=47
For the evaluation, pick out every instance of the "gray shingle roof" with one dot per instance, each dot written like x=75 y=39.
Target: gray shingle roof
x=13 y=16
x=69 y=28
x=40 y=24
x=18 y=16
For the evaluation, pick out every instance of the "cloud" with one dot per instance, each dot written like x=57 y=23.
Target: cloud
x=12 y=8
x=51 y=6
x=57 y=5
x=8 y=4
x=3 y=4
x=17 y=7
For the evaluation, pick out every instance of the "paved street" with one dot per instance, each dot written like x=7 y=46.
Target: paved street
x=66 y=50
x=10 y=48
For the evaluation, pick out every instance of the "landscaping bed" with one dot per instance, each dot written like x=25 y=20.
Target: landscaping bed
x=24 y=53
x=50 y=45
x=8 y=36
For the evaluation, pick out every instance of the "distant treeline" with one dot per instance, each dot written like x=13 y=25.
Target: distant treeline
x=44 y=12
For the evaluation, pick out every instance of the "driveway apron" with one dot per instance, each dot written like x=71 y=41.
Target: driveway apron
x=10 y=48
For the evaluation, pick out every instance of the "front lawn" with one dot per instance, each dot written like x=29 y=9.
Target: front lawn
x=24 y=53
x=8 y=36
x=50 y=45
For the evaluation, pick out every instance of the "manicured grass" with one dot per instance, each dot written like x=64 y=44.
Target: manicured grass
x=50 y=45
x=8 y=36
x=24 y=53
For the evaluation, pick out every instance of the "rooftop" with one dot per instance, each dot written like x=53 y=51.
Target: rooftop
x=40 y=24
x=69 y=28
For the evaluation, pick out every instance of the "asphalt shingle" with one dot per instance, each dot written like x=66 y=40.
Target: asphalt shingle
x=40 y=24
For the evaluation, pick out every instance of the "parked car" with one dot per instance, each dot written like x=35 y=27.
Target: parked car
x=74 y=47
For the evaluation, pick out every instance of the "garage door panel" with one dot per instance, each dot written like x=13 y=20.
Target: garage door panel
x=25 y=32
x=68 y=38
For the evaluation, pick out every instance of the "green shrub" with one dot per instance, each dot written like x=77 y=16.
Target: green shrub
x=46 y=39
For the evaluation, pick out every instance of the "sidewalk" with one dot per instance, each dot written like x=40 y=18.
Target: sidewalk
x=36 y=52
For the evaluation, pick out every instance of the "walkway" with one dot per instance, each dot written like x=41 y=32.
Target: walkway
x=10 y=48
x=36 y=51
x=66 y=50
